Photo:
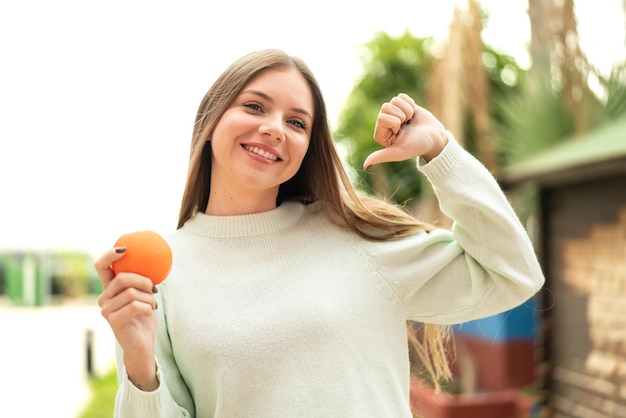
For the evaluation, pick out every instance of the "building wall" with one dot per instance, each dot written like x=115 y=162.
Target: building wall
x=584 y=230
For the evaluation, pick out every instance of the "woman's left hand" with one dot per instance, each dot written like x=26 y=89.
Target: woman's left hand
x=406 y=130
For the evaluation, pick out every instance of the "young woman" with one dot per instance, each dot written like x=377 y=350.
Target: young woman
x=290 y=293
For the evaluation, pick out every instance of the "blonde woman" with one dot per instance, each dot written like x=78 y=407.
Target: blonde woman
x=290 y=293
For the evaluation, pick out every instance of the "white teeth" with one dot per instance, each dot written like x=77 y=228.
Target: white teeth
x=260 y=152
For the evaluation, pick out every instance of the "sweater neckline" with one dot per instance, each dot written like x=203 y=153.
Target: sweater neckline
x=239 y=226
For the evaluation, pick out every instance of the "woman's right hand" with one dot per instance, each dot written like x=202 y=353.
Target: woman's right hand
x=128 y=304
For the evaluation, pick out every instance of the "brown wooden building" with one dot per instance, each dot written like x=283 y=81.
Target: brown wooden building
x=580 y=186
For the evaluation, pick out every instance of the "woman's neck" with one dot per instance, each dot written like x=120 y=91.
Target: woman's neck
x=229 y=204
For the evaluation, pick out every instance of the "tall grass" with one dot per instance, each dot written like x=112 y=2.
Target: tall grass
x=103 y=391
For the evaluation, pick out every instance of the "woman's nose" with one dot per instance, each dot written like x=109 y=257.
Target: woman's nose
x=273 y=127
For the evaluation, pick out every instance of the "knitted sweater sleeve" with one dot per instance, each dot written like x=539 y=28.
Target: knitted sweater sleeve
x=484 y=265
x=171 y=399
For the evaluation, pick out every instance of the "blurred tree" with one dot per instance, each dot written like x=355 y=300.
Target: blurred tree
x=498 y=111
x=573 y=67
x=454 y=80
x=557 y=102
x=460 y=89
x=539 y=13
x=390 y=66
x=459 y=94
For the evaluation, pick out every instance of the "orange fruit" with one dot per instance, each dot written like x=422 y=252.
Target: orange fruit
x=147 y=254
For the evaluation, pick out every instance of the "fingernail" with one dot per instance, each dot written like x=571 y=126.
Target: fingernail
x=155 y=289
x=367 y=167
x=120 y=250
x=156 y=305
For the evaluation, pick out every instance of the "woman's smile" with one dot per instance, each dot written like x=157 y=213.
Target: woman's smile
x=266 y=156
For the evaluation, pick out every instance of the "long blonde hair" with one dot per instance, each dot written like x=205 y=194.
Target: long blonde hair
x=321 y=178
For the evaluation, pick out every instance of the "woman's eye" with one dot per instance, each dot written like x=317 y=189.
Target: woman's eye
x=253 y=106
x=298 y=123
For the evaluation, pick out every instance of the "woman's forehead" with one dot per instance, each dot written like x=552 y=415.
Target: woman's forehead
x=282 y=81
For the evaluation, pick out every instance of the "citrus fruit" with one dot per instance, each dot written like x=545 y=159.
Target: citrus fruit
x=147 y=254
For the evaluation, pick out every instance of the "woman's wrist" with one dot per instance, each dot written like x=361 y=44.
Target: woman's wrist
x=148 y=385
x=143 y=373
x=439 y=144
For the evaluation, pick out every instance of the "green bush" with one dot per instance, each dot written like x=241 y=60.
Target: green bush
x=103 y=390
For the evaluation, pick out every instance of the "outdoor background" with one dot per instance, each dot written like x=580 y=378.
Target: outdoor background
x=98 y=98
x=97 y=101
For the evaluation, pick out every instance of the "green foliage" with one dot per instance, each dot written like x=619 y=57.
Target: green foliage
x=103 y=391
x=66 y=274
x=525 y=120
x=405 y=64
x=534 y=120
x=615 y=105
x=531 y=122
x=506 y=81
x=73 y=274
x=390 y=66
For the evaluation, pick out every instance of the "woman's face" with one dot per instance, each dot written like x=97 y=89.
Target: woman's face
x=262 y=138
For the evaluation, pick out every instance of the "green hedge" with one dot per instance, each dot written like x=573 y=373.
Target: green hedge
x=103 y=391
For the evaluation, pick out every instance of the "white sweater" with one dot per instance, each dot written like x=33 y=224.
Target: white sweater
x=284 y=314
